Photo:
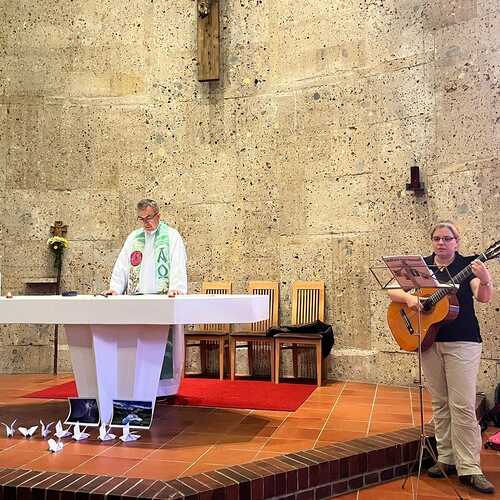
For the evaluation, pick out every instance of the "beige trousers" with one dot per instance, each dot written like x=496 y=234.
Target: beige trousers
x=450 y=371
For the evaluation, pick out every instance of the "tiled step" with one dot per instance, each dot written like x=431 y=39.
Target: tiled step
x=312 y=474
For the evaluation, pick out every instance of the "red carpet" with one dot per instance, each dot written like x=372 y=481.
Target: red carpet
x=246 y=394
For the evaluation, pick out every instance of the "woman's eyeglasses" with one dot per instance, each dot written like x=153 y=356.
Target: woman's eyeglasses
x=446 y=239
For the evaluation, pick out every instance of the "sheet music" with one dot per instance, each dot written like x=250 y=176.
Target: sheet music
x=411 y=271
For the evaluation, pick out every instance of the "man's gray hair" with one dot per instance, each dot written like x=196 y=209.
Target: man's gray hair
x=146 y=202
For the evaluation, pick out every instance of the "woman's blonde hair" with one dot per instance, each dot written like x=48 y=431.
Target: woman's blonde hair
x=448 y=224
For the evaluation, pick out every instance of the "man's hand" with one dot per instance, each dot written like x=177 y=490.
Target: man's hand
x=173 y=293
x=109 y=292
x=413 y=302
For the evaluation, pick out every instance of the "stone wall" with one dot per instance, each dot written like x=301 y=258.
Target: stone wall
x=293 y=166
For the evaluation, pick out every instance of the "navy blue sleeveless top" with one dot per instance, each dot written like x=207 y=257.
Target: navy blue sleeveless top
x=465 y=328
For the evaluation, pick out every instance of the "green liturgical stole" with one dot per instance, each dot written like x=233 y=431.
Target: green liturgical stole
x=162 y=259
x=162 y=272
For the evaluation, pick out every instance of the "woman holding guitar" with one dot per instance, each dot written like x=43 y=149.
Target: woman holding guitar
x=451 y=362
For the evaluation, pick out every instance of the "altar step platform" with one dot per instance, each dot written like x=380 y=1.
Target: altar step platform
x=347 y=440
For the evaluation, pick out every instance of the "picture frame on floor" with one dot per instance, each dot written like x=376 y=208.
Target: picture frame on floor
x=84 y=411
x=137 y=414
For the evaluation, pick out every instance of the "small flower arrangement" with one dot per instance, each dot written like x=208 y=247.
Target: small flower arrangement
x=57 y=244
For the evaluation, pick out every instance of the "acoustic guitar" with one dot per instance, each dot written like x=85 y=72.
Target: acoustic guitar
x=440 y=306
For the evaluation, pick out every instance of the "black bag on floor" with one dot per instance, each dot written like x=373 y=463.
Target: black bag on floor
x=315 y=327
x=494 y=414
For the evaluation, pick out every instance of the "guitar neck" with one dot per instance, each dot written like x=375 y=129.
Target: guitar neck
x=458 y=279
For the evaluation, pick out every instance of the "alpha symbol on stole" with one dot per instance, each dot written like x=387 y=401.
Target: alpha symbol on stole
x=162 y=268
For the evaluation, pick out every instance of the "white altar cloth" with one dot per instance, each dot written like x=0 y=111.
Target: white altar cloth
x=117 y=343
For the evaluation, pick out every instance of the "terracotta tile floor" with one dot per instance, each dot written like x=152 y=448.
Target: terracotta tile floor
x=187 y=440
x=428 y=489
x=434 y=489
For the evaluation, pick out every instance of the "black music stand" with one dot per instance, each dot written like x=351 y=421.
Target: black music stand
x=409 y=272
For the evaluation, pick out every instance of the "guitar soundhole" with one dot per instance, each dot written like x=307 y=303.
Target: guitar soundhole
x=426 y=305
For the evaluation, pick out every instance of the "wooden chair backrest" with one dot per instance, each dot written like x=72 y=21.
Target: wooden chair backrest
x=270 y=288
x=216 y=288
x=308 y=301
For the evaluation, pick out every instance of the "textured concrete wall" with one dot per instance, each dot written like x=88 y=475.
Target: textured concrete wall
x=293 y=166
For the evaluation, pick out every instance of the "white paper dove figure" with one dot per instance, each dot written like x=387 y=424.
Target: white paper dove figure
x=55 y=446
x=60 y=432
x=104 y=434
x=45 y=429
x=79 y=435
x=127 y=435
x=10 y=429
x=27 y=433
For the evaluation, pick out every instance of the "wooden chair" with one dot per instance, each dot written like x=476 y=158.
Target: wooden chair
x=255 y=340
x=308 y=305
x=211 y=336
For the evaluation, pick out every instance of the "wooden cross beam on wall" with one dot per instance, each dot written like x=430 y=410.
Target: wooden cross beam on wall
x=208 y=40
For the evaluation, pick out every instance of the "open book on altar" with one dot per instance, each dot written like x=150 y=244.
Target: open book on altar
x=410 y=271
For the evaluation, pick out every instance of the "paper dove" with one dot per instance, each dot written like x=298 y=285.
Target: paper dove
x=44 y=429
x=127 y=435
x=104 y=434
x=10 y=430
x=79 y=435
x=55 y=446
x=60 y=432
x=27 y=433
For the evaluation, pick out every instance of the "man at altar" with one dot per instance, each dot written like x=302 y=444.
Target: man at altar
x=153 y=261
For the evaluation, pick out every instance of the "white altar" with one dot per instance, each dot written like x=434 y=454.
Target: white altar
x=117 y=343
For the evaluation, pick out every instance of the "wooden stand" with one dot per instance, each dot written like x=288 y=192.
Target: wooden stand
x=58 y=229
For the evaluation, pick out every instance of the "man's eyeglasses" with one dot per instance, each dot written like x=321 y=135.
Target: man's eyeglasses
x=148 y=218
x=446 y=239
